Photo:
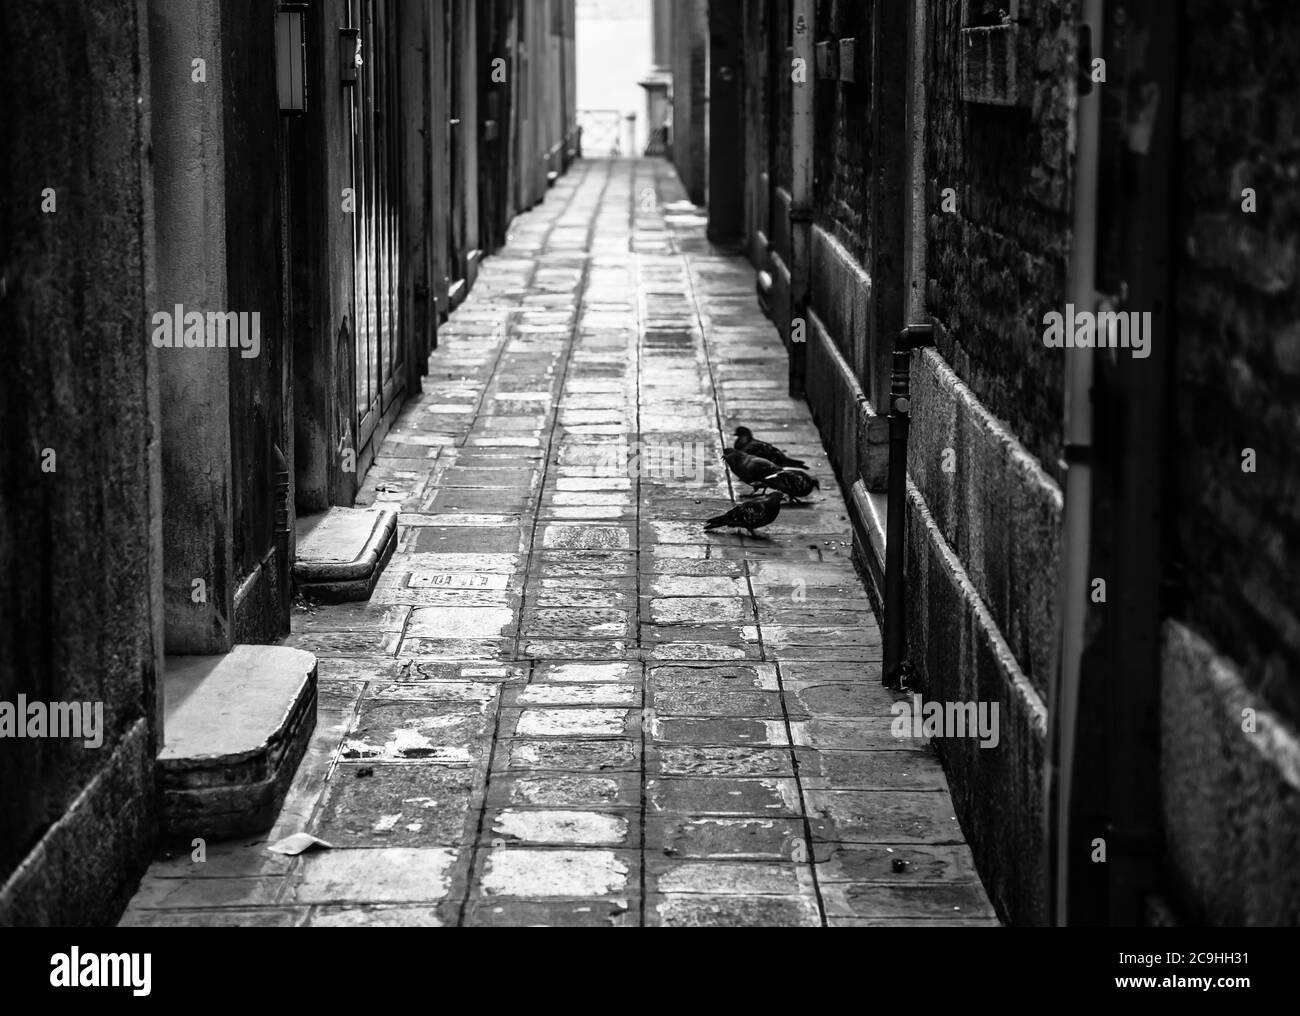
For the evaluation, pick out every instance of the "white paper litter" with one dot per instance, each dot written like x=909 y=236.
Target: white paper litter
x=297 y=843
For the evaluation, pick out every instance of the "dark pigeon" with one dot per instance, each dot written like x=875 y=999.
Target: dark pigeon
x=753 y=470
x=746 y=443
x=751 y=515
x=793 y=483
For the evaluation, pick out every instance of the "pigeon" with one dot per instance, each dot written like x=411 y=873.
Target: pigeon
x=745 y=442
x=793 y=483
x=750 y=515
x=753 y=470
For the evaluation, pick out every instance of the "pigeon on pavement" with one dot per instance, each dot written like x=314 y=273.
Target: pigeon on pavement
x=751 y=515
x=746 y=443
x=793 y=483
x=753 y=470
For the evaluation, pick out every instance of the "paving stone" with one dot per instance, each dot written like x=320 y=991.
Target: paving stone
x=593 y=649
x=700 y=609
x=699 y=585
x=426 y=596
x=870 y=770
x=730 y=837
x=458 y=581
x=224 y=917
x=569 y=597
x=425 y=671
x=600 y=673
x=692 y=760
x=359 y=668
x=459 y=622
x=582 y=756
x=576 y=622
x=595 y=913
x=712 y=911
x=848 y=700
x=716 y=676
x=471 y=539
x=474 y=695
x=729 y=879
x=372 y=916
x=886 y=816
x=574 y=537
x=458 y=519
x=198 y=893
x=517 y=871
x=456 y=649
x=692 y=564
x=916 y=902
x=593 y=483
x=860 y=733
x=382 y=875
x=401 y=731
x=400 y=805
x=584 y=694
x=866 y=636
x=711 y=796
x=732 y=730
x=542 y=583
x=867 y=862
x=578 y=722
x=566 y=790
x=556 y=827
x=364 y=617
x=701 y=701
x=346 y=643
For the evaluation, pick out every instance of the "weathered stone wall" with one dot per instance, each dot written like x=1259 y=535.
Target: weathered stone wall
x=1232 y=648
x=1238 y=362
x=79 y=539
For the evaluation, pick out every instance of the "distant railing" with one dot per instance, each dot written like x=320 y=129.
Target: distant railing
x=601 y=132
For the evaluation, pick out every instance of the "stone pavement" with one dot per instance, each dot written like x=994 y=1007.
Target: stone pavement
x=565 y=703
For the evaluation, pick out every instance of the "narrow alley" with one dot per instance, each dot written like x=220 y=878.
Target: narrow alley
x=649 y=463
x=565 y=702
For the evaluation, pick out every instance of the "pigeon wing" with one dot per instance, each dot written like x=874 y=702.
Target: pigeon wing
x=754 y=469
x=763 y=450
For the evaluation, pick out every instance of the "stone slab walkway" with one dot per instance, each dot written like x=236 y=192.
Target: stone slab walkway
x=565 y=703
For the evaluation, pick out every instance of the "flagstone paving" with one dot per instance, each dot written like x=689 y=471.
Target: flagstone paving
x=565 y=703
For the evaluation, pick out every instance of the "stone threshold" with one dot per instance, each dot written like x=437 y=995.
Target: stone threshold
x=237 y=725
x=342 y=552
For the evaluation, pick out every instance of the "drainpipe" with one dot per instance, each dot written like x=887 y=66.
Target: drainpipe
x=801 y=175
x=1063 y=701
x=283 y=532
x=896 y=669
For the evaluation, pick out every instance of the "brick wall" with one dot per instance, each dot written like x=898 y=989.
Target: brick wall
x=842 y=135
x=1237 y=373
x=999 y=262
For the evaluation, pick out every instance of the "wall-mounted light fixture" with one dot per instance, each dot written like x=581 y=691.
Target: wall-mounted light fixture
x=349 y=55
x=291 y=58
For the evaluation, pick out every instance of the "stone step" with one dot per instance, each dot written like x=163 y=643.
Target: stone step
x=236 y=726
x=342 y=552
